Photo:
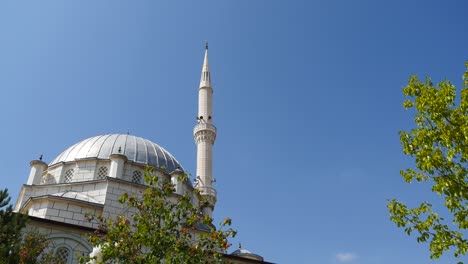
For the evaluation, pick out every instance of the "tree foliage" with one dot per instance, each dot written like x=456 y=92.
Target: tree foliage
x=162 y=230
x=16 y=248
x=439 y=146
x=11 y=224
x=35 y=249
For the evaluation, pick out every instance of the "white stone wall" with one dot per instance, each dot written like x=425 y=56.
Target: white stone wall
x=53 y=208
x=128 y=170
x=39 y=209
x=65 y=212
x=55 y=172
x=84 y=170
x=95 y=190
x=115 y=190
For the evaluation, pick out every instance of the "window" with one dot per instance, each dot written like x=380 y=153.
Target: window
x=63 y=254
x=69 y=175
x=137 y=176
x=102 y=173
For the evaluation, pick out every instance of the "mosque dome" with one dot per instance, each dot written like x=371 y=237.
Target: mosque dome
x=136 y=149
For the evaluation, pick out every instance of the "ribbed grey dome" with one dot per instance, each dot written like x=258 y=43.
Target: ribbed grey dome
x=136 y=149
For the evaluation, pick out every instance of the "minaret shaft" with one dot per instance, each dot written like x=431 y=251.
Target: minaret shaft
x=205 y=135
x=205 y=163
x=205 y=104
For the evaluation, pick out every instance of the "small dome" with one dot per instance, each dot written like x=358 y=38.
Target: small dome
x=136 y=149
x=246 y=254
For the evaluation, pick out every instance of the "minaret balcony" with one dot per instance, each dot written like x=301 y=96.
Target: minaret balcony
x=208 y=191
x=203 y=127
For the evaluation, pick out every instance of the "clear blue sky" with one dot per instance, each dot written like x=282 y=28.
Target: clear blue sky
x=307 y=104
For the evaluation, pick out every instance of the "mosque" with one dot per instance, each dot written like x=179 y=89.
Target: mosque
x=91 y=176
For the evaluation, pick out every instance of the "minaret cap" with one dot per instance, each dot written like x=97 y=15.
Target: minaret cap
x=205 y=79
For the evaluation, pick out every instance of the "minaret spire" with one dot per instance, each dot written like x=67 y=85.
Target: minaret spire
x=205 y=135
x=205 y=79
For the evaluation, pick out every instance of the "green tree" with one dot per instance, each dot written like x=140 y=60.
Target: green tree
x=35 y=249
x=11 y=224
x=14 y=248
x=439 y=145
x=162 y=231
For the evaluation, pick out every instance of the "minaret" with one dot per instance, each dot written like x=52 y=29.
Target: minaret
x=205 y=134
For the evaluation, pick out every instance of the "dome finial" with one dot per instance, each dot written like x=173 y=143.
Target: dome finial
x=40 y=157
x=240 y=245
x=206 y=44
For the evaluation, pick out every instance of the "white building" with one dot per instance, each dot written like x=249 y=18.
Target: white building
x=91 y=176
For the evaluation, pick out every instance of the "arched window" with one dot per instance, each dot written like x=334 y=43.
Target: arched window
x=63 y=255
x=102 y=173
x=69 y=175
x=137 y=177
